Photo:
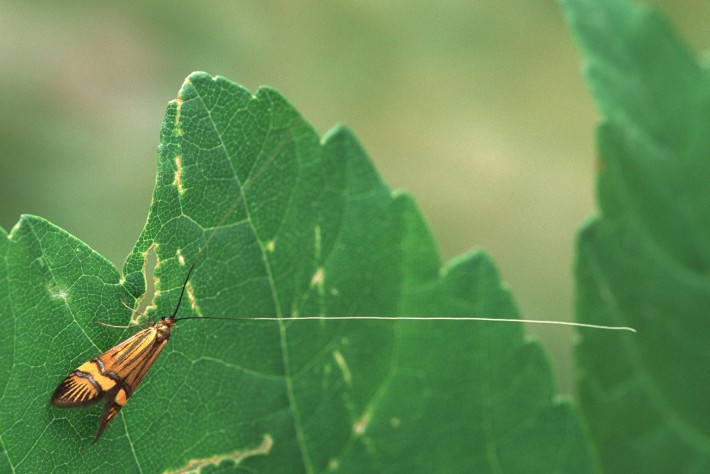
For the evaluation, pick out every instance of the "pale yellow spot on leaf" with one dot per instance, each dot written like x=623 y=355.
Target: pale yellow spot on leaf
x=57 y=293
x=343 y=365
x=196 y=465
x=147 y=302
x=361 y=425
x=319 y=277
x=193 y=301
x=178 y=103
x=177 y=182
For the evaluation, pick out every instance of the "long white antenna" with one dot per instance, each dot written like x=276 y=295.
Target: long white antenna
x=426 y=318
x=246 y=185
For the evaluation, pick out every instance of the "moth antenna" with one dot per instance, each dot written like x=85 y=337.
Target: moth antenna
x=429 y=318
x=234 y=206
x=124 y=327
x=182 y=292
x=133 y=310
x=130 y=325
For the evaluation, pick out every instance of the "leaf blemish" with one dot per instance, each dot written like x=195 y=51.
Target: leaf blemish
x=57 y=293
x=361 y=425
x=180 y=257
x=152 y=281
x=191 y=296
x=271 y=246
x=196 y=465
x=347 y=376
x=178 y=102
x=178 y=175
x=319 y=277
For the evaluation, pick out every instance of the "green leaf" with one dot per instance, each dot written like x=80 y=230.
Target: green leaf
x=644 y=261
x=278 y=223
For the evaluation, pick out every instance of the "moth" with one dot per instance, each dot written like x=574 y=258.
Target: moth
x=115 y=374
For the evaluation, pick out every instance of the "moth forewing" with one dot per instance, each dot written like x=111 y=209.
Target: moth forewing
x=115 y=374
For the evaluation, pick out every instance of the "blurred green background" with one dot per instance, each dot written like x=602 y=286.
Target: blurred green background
x=478 y=108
